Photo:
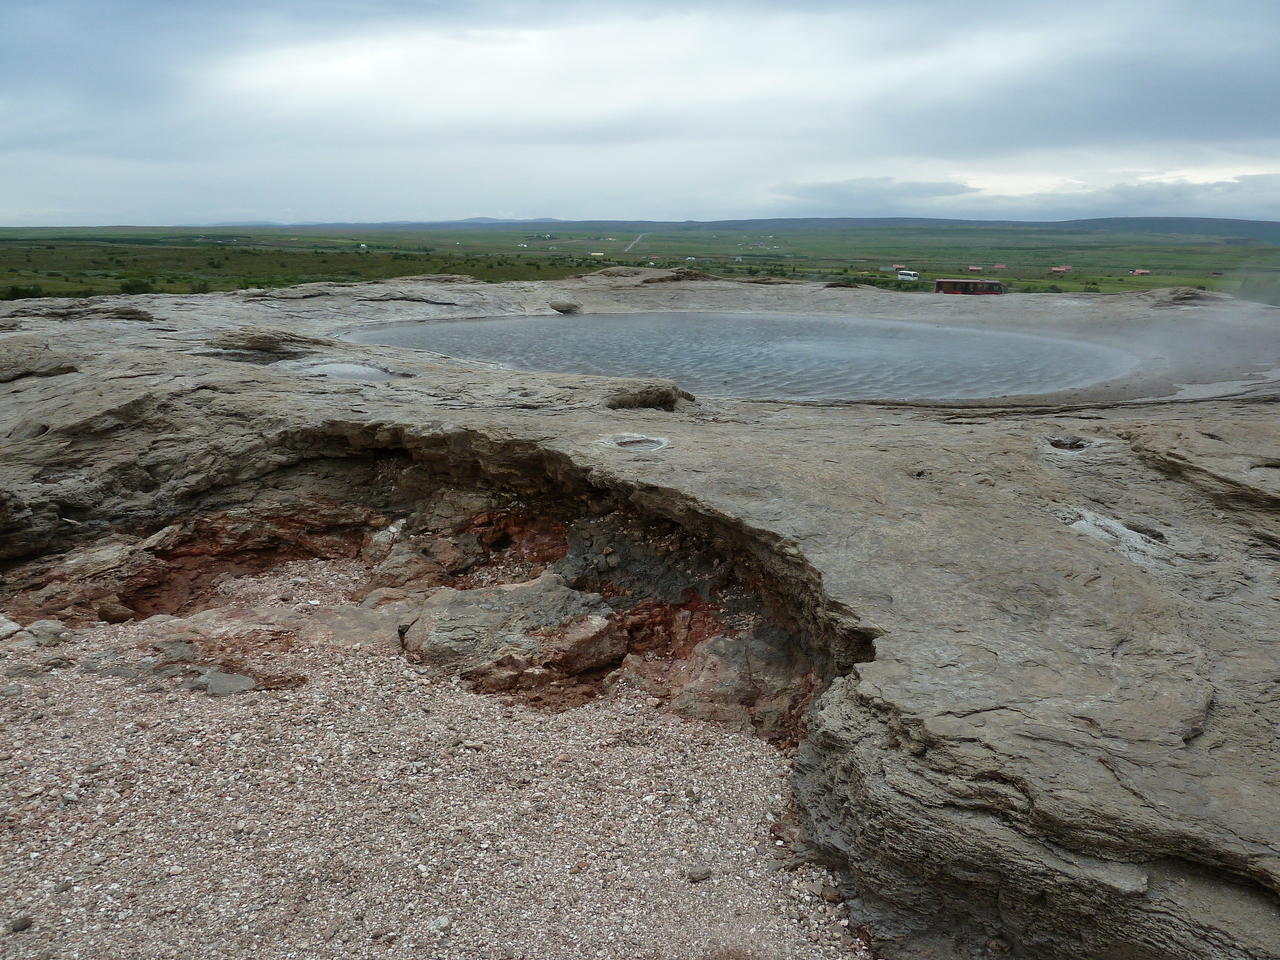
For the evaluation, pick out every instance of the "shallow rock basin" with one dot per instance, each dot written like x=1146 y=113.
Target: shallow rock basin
x=336 y=370
x=782 y=356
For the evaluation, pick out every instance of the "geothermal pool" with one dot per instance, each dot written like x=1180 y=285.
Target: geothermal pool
x=774 y=356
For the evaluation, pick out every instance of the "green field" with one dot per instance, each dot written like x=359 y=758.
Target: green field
x=1239 y=257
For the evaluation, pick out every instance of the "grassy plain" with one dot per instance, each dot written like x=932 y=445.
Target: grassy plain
x=1241 y=257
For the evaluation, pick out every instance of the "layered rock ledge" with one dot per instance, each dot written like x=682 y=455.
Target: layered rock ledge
x=1028 y=655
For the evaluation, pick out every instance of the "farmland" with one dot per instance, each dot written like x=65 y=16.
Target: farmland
x=1240 y=257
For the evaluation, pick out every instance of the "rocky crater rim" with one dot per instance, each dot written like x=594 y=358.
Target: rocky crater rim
x=502 y=562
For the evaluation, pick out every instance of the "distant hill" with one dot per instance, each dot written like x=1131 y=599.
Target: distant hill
x=1258 y=231
x=1267 y=231
x=500 y=220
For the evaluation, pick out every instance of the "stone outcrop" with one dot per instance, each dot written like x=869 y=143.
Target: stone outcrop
x=263 y=340
x=503 y=633
x=661 y=395
x=28 y=356
x=1028 y=655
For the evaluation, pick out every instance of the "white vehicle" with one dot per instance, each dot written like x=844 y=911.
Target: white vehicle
x=908 y=275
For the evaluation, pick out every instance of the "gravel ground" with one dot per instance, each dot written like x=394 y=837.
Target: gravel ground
x=293 y=583
x=375 y=811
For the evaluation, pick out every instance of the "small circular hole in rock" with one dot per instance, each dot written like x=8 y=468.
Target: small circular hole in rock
x=636 y=441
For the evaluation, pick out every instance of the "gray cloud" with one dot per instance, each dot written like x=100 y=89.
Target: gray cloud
x=869 y=196
x=141 y=110
x=1249 y=197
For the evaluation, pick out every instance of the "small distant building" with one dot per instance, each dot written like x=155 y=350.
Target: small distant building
x=966 y=285
x=1065 y=268
x=1141 y=273
x=595 y=254
x=899 y=266
x=975 y=269
x=737 y=259
x=1000 y=266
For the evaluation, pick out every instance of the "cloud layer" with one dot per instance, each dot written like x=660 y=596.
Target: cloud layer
x=151 y=112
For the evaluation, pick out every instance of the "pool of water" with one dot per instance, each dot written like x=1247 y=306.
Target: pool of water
x=773 y=356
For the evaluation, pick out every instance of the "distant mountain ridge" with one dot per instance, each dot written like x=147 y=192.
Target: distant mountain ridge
x=1265 y=231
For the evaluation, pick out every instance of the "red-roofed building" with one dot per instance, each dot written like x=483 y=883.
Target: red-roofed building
x=1066 y=268
x=975 y=269
x=1000 y=266
x=1141 y=273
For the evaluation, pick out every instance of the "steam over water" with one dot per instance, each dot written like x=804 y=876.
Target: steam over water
x=774 y=356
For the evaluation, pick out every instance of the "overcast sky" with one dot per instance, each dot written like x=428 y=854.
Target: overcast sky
x=199 y=111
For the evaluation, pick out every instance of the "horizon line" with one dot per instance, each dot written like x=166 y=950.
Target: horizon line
x=484 y=220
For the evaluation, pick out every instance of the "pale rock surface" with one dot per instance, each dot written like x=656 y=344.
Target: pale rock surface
x=1042 y=640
